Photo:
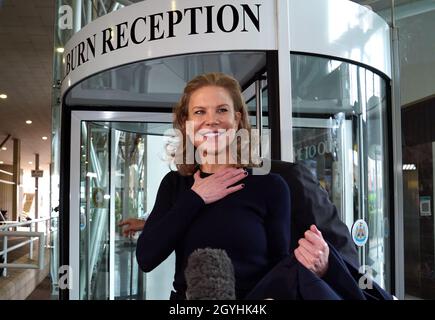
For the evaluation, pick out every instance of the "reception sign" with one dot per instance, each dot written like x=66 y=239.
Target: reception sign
x=152 y=29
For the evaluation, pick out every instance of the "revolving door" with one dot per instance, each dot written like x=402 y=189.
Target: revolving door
x=120 y=162
x=118 y=123
x=120 y=156
x=323 y=92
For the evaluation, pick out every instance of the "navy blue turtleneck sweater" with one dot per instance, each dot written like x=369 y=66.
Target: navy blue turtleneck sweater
x=252 y=225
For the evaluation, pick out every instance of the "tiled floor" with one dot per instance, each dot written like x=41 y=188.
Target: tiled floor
x=20 y=283
x=43 y=291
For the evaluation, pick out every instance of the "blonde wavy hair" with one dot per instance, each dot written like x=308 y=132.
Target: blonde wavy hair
x=181 y=113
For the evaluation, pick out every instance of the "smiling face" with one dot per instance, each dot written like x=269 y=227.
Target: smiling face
x=212 y=113
x=210 y=104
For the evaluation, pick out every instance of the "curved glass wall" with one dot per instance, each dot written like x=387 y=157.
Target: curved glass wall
x=340 y=131
x=159 y=82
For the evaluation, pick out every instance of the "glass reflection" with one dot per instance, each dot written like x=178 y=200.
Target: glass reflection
x=340 y=132
x=158 y=82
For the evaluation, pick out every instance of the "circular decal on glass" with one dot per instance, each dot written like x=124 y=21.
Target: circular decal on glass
x=360 y=232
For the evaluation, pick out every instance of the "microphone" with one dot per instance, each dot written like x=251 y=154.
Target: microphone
x=210 y=275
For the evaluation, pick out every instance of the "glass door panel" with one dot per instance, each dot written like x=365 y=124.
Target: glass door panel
x=137 y=171
x=128 y=185
x=341 y=133
x=121 y=168
x=323 y=146
x=94 y=211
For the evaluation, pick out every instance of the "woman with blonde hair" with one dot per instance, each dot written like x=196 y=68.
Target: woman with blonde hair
x=214 y=200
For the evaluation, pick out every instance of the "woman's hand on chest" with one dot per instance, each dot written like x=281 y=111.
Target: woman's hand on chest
x=219 y=184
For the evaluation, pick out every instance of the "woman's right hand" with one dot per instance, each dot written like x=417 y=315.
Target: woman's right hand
x=217 y=186
x=132 y=226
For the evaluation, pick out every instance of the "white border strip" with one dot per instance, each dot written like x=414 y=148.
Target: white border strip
x=285 y=93
x=112 y=217
x=74 y=209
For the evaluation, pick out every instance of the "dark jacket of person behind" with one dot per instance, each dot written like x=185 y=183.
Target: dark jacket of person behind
x=310 y=204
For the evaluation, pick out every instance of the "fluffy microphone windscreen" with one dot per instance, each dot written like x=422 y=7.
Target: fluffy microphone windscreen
x=210 y=275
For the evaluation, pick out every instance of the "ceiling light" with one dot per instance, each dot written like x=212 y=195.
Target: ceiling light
x=29 y=121
x=60 y=50
x=3 y=96
x=1 y=162
x=4 y=148
x=30 y=162
x=44 y=138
